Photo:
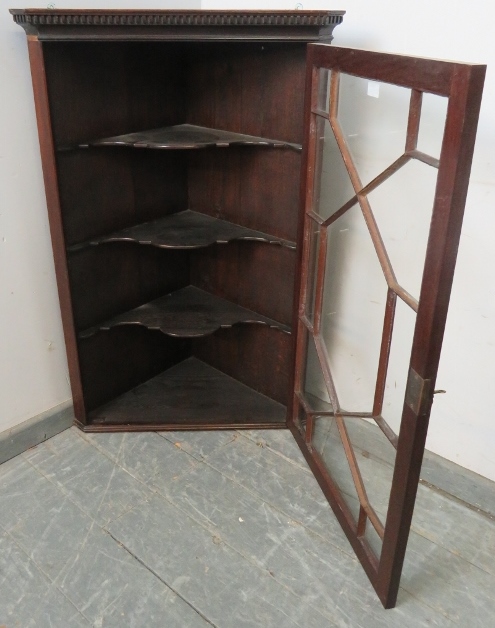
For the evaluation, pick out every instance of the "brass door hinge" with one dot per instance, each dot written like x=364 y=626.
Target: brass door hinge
x=418 y=396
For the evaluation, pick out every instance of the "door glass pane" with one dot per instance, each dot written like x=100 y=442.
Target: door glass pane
x=375 y=456
x=432 y=124
x=333 y=187
x=328 y=443
x=373 y=117
x=402 y=207
x=398 y=368
x=323 y=89
x=353 y=307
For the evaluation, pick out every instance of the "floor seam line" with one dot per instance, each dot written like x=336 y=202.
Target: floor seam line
x=47 y=576
x=164 y=582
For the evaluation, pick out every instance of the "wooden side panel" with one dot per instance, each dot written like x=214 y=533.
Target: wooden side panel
x=110 y=279
x=114 y=362
x=107 y=189
x=55 y=217
x=100 y=89
x=256 y=276
x=255 y=355
x=253 y=187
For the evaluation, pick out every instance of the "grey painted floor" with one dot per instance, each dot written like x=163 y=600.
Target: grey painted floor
x=225 y=529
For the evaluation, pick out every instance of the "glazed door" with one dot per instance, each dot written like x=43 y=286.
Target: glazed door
x=388 y=149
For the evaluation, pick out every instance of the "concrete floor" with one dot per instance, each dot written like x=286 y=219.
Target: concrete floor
x=225 y=529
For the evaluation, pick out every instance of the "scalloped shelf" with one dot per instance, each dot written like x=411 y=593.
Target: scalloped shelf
x=188 y=136
x=185 y=230
x=186 y=313
x=190 y=394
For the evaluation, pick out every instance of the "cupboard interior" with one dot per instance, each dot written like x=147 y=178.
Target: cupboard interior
x=190 y=221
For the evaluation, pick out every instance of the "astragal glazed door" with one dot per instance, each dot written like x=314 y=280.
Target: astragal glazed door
x=388 y=150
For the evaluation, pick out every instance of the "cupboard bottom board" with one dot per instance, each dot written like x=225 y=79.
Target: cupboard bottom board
x=189 y=395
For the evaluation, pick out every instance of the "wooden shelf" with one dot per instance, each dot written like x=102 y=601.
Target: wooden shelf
x=193 y=395
x=188 y=136
x=185 y=230
x=186 y=313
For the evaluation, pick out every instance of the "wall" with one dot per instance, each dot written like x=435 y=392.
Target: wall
x=462 y=428
x=33 y=369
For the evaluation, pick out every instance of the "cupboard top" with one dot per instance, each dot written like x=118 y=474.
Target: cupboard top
x=91 y=24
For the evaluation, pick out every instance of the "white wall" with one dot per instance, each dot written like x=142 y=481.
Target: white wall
x=33 y=372
x=462 y=428
x=33 y=368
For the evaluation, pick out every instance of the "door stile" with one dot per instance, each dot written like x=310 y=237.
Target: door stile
x=452 y=186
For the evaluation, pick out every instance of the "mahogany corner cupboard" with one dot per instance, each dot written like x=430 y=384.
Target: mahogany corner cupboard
x=228 y=256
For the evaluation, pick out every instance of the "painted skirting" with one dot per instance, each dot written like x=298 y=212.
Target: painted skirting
x=18 y=439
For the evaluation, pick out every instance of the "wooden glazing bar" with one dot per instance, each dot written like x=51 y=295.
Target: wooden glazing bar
x=357 y=477
x=379 y=245
x=320 y=279
x=362 y=520
x=414 y=120
x=322 y=353
x=387 y=430
x=386 y=174
x=404 y=295
x=340 y=212
x=310 y=425
x=426 y=159
x=381 y=377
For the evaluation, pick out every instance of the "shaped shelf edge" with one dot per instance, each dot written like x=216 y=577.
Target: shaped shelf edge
x=188 y=136
x=186 y=313
x=184 y=230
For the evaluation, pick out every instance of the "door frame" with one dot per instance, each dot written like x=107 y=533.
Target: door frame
x=462 y=84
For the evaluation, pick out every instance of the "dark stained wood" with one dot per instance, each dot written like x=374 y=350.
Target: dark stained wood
x=185 y=230
x=251 y=274
x=255 y=188
x=102 y=194
x=187 y=136
x=185 y=395
x=450 y=197
x=253 y=354
x=425 y=75
x=109 y=280
x=136 y=225
x=462 y=84
x=122 y=358
x=42 y=105
x=117 y=25
x=186 y=313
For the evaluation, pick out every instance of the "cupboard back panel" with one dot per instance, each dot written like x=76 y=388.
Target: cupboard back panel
x=113 y=362
x=255 y=88
x=257 y=276
x=107 y=189
x=112 y=278
x=100 y=89
x=257 y=356
x=253 y=187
